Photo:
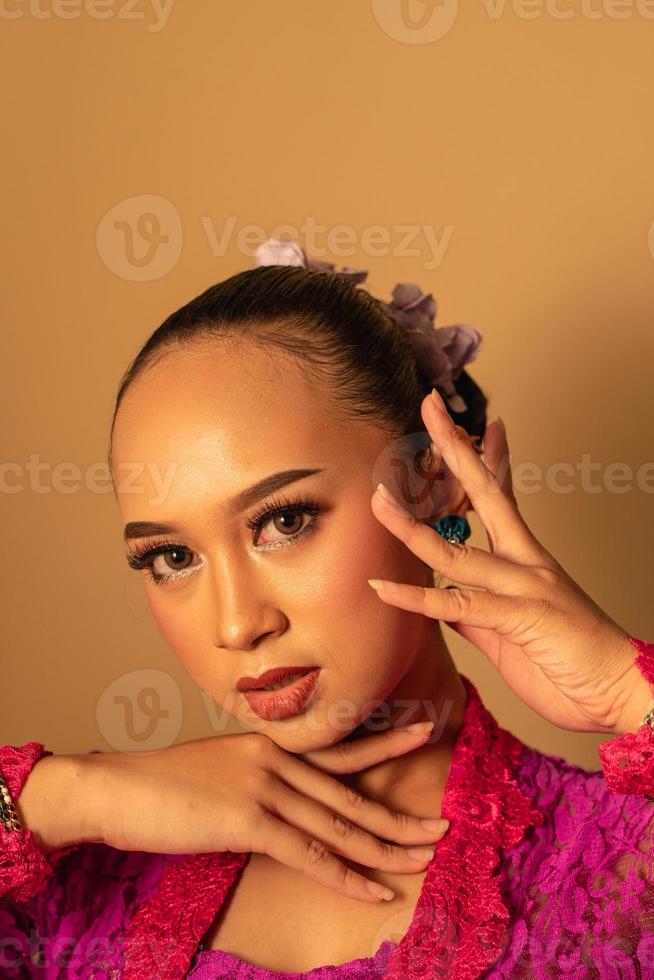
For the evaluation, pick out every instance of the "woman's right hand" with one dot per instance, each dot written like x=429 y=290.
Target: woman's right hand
x=245 y=793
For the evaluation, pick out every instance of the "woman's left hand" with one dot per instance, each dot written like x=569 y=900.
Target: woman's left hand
x=561 y=654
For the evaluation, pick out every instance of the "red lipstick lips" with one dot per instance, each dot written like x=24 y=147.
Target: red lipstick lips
x=270 y=677
x=282 y=702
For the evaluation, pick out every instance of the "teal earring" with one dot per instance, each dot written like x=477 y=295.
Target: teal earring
x=453 y=527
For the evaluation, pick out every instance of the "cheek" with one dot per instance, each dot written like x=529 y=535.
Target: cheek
x=363 y=550
x=182 y=627
x=335 y=590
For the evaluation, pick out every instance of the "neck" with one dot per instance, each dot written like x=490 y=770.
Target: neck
x=431 y=691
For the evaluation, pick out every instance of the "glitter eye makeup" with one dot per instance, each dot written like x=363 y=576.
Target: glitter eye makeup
x=144 y=556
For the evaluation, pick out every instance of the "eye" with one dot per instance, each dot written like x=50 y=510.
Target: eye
x=163 y=562
x=173 y=560
x=286 y=516
x=169 y=561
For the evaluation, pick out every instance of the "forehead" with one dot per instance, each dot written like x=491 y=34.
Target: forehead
x=212 y=418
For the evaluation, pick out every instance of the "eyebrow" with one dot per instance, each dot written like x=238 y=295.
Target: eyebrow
x=246 y=498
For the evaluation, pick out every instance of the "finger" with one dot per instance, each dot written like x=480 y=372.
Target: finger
x=474 y=608
x=495 y=509
x=491 y=454
x=338 y=796
x=461 y=563
x=495 y=454
x=344 y=837
x=346 y=757
x=311 y=857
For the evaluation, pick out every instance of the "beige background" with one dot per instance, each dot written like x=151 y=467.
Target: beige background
x=525 y=142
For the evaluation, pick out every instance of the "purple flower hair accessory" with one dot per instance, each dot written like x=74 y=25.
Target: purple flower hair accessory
x=441 y=352
x=278 y=252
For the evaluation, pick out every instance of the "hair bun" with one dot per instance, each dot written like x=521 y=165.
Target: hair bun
x=440 y=352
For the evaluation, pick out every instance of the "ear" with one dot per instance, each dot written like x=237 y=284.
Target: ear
x=457 y=501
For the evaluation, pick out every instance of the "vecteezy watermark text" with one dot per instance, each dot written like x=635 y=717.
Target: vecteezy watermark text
x=140 y=238
x=154 y=12
x=425 y=21
x=562 y=476
x=43 y=477
x=142 y=710
x=340 y=241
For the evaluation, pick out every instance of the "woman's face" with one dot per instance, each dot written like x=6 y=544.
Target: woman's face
x=193 y=433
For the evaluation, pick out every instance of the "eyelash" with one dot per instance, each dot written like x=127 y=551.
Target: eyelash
x=143 y=558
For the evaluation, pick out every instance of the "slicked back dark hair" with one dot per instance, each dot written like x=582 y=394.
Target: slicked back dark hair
x=338 y=332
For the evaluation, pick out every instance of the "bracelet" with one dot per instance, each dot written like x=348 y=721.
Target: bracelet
x=649 y=718
x=649 y=721
x=7 y=810
x=645 y=665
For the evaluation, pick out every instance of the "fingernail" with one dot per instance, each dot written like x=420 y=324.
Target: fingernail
x=435 y=826
x=380 y=890
x=390 y=500
x=390 y=588
x=501 y=424
x=421 y=853
x=417 y=726
x=438 y=401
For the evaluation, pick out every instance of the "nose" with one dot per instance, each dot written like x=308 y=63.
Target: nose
x=244 y=606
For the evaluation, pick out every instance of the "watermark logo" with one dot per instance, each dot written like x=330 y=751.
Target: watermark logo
x=140 y=238
x=416 y=21
x=393 y=929
x=43 y=477
x=591 y=10
x=336 y=241
x=140 y=711
x=153 y=12
x=401 y=466
x=424 y=21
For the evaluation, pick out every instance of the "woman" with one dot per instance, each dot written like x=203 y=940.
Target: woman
x=271 y=405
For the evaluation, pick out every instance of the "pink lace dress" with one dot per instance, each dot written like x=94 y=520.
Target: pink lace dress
x=546 y=872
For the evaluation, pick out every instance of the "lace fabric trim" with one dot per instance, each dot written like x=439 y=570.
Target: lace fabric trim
x=461 y=919
x=628 y=760
x=215 y=963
